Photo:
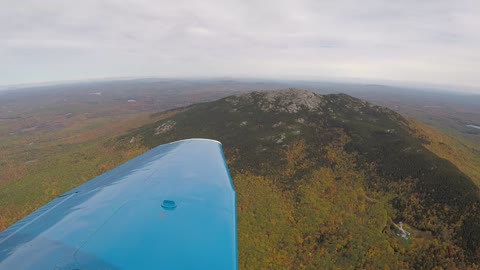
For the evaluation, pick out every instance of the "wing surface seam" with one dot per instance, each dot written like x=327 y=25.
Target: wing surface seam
x=36 y=218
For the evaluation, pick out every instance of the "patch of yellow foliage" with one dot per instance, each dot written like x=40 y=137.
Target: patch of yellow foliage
x=465 y=157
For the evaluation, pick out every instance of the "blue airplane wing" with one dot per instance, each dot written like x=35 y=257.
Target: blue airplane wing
x=173 y=207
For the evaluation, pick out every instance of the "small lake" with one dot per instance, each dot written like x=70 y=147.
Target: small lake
x=473 y=126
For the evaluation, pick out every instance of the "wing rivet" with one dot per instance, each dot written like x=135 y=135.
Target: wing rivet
x=169 y=205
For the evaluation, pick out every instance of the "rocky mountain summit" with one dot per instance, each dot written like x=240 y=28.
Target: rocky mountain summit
x=293 y=100
x=289 y=100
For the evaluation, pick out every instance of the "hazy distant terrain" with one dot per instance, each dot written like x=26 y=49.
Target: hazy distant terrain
x=31 y=118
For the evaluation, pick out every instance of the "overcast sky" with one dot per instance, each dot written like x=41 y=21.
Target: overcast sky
x=427 y=41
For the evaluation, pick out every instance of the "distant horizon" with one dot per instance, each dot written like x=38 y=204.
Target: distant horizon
x=399 y=84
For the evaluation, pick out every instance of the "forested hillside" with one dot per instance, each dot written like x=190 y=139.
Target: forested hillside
x=333 y=182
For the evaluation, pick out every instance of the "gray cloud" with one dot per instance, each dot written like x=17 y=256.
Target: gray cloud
x=424 y=41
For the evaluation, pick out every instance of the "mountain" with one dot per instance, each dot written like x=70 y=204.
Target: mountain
x=331 y=181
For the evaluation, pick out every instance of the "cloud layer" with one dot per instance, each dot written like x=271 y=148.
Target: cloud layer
x=431 y=41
